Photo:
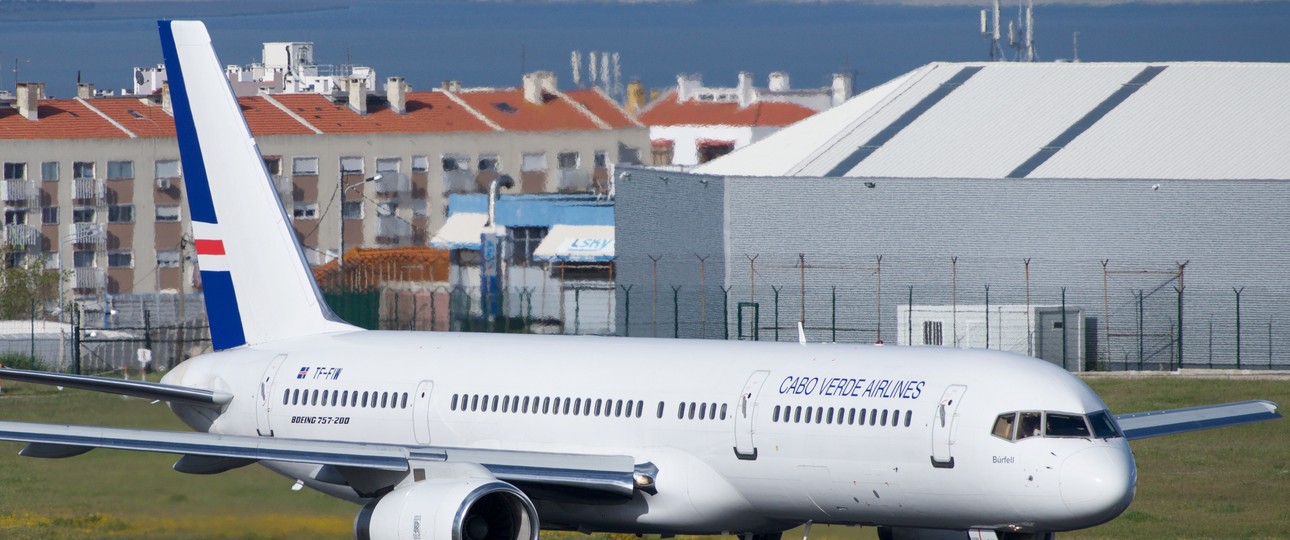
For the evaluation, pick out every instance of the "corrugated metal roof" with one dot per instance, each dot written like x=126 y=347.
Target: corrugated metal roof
x=1189 y=121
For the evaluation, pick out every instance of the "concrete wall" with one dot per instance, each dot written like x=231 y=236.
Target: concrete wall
x=1230 y=234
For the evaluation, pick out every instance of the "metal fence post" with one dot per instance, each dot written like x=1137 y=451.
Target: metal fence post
x=987 y=315
x=1238 y=324
x=1064 y=330
x=676 y=311
x=1141 y=348
x=725 y=312
x=834 y=324
x=627 y=310
x=911 y=316
x=776 y=289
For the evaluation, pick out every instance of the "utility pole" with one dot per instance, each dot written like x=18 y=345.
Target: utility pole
x=183 y=266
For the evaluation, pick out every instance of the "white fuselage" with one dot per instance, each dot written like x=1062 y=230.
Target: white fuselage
x=770 y=434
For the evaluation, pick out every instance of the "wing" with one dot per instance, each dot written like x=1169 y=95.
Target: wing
x=366 y=467
x=142 y=389
x=1150 y=424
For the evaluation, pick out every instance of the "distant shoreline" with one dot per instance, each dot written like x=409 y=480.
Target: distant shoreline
x=55 y=10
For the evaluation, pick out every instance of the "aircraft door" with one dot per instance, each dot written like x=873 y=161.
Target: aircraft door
x=943 y=434
x=421 y=412
x=745 y=412
x=265 y=399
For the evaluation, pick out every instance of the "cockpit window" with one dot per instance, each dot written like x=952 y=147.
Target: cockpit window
x=1066 y=425
x=1103 y=426
x=1029 y=425
x=1003 y=426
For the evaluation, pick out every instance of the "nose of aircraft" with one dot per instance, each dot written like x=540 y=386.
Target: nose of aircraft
x=1097 y=484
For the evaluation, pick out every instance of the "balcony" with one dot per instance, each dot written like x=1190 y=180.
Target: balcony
x=89 y=189
x=393 y=183
x=88 y=234
x=282 y=184
x=573 y=181
x=88 y=279
x=459 y=182
x=392 y=230
x=18 y=191
x=22 y=235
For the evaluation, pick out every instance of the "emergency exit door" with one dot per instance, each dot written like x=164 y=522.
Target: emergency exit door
x=943 y=421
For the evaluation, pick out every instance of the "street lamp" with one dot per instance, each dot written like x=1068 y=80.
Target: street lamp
x=340 y=255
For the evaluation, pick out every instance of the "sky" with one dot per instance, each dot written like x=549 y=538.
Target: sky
x=491 y=43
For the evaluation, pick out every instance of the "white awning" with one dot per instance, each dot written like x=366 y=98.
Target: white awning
x=577 y=243
x=460 y=231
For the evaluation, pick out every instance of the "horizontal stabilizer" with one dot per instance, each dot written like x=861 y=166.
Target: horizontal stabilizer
x=1153 y=423
x=125 y=387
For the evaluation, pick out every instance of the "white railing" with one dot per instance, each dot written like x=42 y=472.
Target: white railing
x=459 y=182
x=88 y=233
x=392 y=230
x=393 y=183
x=22 y=235
x=88 y=189
x=18 y=190
x=573 y=181
x=88 y=278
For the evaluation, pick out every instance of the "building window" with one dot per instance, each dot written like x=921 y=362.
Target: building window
x=83 y=259
x=351 y=165
x=120 y=170
x=601 y=159
x=167 y=258
x=455 y=162
x=83 y=214
x=49 y=171
x=351 y=210
x=420 y=164
x=389 y=165
x=273 y=164
x=304 y=166
x=567 y=160
x=932 y=332
x=661 y=151
x=386 y=209
x=305 y=211
x=167 y=212
x=82 y=170
x=489 y=162
x=121 y=213
x=121 y=259
x=15 y=171
x=709 y=150
x=533 y=162
x=49 y=215
x=166 y=168
x=15 y=216
x=523 y=241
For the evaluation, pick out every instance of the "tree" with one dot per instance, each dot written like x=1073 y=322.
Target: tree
x=25 y=284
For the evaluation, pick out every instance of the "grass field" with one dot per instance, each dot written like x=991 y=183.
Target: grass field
x=1225 y=483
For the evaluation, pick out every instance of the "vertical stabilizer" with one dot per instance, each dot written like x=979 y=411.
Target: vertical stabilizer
x=257 y=285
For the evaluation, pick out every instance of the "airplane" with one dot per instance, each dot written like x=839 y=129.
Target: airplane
x=495 y=437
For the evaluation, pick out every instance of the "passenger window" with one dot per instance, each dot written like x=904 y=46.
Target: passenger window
x=703 y=411
x=586 y=407
x=618 y=408
x=385 y=397
x=344 y=399
x=723 y=411
x=851 y=417
x=1103 y=427
x=692 y=407
x=830 y=415
x=403 y=404
x=873 y=417
x=565 y=409
x=797 y=415
x=1003 y=426
x=315 y=398
x=640 y=406
x=546 y=405
x=1028 y=425
x=774 y=416
x=286 y=396
x=895 y=418
x=506 y=404
x=884 y=418
x=863 y=413
x=1066 y=425
x=598 y=403
x=909 y=415
x=660 y=409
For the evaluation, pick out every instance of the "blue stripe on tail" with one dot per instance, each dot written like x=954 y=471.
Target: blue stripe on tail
x=221 y=298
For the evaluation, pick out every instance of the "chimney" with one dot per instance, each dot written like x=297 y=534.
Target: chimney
x=85 y=90
x=536 y=84
x=452 y=86
x=396 y=93
x=687 y=86
x=745 y=88
x=635 y=96
x=779 y=82
x=841 y=88
x=358 y=95
x=165 y=99
x=29 y=95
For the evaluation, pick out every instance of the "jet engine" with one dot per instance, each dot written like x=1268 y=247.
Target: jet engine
x=450 y=509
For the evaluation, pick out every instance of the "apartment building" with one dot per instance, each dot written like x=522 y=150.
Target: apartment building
x=96 y=182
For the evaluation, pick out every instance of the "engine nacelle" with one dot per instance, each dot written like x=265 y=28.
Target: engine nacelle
x=450 y=509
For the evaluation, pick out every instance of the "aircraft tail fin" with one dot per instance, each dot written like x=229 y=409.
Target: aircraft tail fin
x=257 y=285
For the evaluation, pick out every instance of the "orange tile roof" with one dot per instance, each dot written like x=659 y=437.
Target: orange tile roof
x=265 y=118
x=670 y=112
x=365 y=267
x=428 y=112
x=142 y=119
x=603 y=107
x=58 y=119
x=508 y=109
